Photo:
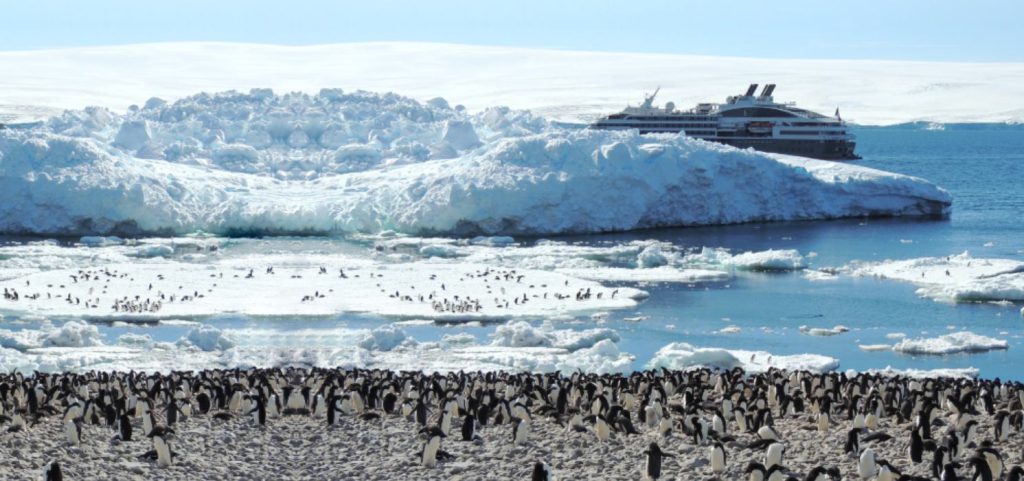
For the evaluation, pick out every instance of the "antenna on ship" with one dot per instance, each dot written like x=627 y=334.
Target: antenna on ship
x=837 y=114
x=649 y=99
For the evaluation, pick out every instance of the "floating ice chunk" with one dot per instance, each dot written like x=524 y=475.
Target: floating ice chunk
x=101 y=241
x=769 y=260
x=132 y=339
x=492 y=241
x=460 y=339
x=875 y=347
x=957 y=373
x=680 y=355
x=21 y=340
x=520 y=334
x=445 y=251
x=154 y=250
x=820 y=275
x=602 y=357
x=651 y=256
x=820 y=331
x=386 y=338
x=950 y=344
x=729 y=330
x=953 y=278
x=206 y=338
x=896 y=335
x=74 y=334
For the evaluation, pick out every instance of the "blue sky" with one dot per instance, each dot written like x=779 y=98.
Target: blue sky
x=893 y=29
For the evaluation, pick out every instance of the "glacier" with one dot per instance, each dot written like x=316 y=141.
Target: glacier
x=343 y=162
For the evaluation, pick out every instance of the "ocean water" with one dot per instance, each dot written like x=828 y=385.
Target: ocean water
x=981 y=165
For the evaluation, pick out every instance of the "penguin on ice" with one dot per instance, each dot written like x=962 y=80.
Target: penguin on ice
x=432 y=447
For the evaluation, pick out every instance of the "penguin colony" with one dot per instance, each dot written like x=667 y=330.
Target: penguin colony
x=697 y=424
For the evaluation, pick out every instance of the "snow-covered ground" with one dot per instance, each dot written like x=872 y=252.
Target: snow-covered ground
x=569 y=85
x=341 y=162
x=955 y=278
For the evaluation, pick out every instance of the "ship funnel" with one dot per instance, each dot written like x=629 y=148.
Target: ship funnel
x=751 y=90
x=768 y=89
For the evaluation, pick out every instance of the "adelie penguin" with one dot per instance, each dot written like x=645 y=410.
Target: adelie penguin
x=52 y=472
x=521 y=432
x=652 y=466
x=719 y=458
x=431 y=448
x=164 y=456
x=821 y=473
x=541 y=472
x=469 y=428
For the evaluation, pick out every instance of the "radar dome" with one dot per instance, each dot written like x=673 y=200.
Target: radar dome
x=669 y=106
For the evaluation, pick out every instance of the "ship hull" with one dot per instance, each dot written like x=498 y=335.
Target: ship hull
x=816 y=149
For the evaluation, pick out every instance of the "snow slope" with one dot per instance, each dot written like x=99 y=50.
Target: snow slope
x=341 y=162
x=571 y=85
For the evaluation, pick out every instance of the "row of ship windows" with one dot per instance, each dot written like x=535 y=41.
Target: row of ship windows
x=810 y=132
x=672 y=126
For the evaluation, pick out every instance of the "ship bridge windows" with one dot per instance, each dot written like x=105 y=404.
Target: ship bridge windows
x=756 y=112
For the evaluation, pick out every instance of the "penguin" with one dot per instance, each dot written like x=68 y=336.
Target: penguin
x=718 y=458
x=981 y=469
x=203 y=400
x=768 y=433
x=601 y=429
x=52 y=472
x=821 y=473
x=852 y=445
x=469 y=428
x=916 y=447
x=124 y=427
x=259 y=412
x=867 y=466
x=73 y=431
x=521 y=432
x=652 y=467
x=541 y=472
x=993 y=459
x=1016 y=473
x=164 y=456
x=822 y=422
x=1002 y=426
x=773 y=456
x=755 y=471
x=428 y=457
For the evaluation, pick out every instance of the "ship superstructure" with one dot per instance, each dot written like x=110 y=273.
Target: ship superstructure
x=743 y=121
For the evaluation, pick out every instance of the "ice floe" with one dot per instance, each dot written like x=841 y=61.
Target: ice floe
x=950 y=344
x=679 y=355
x=955 y=278
x=822 y=331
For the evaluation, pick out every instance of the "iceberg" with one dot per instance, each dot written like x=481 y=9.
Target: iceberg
x=950 y=344
x=260 y=163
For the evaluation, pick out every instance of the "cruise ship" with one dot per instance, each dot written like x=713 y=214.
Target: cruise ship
x=743 y=121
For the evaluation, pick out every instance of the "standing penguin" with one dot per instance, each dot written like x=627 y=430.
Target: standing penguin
x=521 y=432
x=164 y=456
x=601 y=429
x=916 y=447
x=541 y=472
x=773 y=456
x=866 y=466
x=259 y=412
x=718 y=458
x=124 y=427
x=652 y=469
x=52 y=472
x=428 y=457
x=469 y=428
x=73 y=431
